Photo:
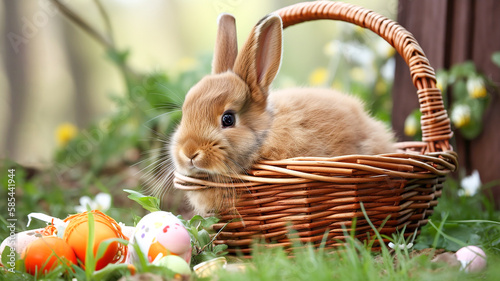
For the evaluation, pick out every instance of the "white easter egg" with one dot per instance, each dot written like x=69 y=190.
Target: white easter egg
x=160 y=234
x=128 y=231
x=472 y=258
x=20 y=240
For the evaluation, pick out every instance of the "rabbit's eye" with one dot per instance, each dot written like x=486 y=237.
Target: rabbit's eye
x=228 y=119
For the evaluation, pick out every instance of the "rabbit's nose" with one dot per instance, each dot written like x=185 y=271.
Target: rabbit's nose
x=193 y=157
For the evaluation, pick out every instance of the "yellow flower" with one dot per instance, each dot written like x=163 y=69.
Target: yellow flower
x=65 y=132
x=460 y=115
x=318 y=76
x=411 y=125
x=476 y=88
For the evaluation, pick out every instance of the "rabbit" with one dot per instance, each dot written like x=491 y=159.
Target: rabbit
x=230 y=119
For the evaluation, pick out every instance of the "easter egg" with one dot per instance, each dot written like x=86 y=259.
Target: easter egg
x=472 y=258
x=20 y=240
x=160 y=234
x=43 y=254
x=175 y=238
x=128 y=231
x=77 y=236
x=175 y=263
x=156 y=249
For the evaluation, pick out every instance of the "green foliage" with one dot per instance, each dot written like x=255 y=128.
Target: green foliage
x=468 y=220
x=202 y=238
x=149 y=203
x=32 y=193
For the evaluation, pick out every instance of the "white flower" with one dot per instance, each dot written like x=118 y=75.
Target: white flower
x=470 y=185
x=400 y=246
x=476 y=87
x=101 y=202
x=460 y=115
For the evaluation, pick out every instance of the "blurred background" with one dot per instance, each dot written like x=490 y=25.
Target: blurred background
x=52 y=72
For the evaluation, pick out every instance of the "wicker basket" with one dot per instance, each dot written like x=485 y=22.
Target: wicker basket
x=314 y=196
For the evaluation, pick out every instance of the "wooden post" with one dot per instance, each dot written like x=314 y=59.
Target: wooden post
x=452 y=32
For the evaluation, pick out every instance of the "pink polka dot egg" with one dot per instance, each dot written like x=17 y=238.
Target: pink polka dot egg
x=160 y=234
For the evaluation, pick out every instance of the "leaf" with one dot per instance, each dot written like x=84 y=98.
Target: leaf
x=460 y=91
x=208 y=222
x=195 y=220
x=103 y=246
x=194 y=234
x=112 y=272
x=79 y=273
x=90 y=261
x=471 y=130
x=496 y=58
x=462 y=70
x=5 y=256
x=149 y=203
x=117 y=56
x=204 y=237
x=219 y=248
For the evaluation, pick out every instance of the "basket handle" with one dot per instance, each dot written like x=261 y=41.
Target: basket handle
x=436 y=129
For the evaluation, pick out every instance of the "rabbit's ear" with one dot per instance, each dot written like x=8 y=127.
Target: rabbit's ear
x=260 y=59
x=226 y=44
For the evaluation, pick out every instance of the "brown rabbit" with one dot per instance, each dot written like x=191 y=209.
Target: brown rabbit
x=231 y=120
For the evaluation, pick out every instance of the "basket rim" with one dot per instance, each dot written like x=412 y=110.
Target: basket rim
x=343 y=170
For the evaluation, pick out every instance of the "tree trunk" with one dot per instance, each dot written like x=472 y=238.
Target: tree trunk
x=16 y=67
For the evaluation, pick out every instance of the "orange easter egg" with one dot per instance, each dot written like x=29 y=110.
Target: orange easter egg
x=43 y=254
x=77 y=236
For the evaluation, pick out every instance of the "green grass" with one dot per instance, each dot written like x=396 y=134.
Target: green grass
x=457 y=221
x=350 y=263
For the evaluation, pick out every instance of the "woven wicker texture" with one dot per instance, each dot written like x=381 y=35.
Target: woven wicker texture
x=321 y=197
